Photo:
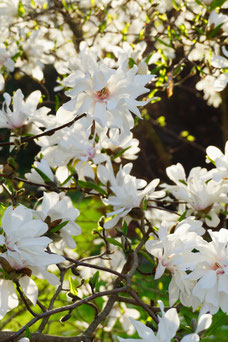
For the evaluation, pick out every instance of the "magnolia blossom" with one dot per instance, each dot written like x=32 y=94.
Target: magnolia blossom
x=24 y=255
x=57 y=209
x=215 y=19
x=199 y=194
x=220 y=160
x=37 y=50
x=107 y=95
x=174 y=253
x=203 y=323
x=206 y=84
x=41 y=173
x=134 y=53
x=23 y=238
x=82 y=153
x=118 y=143
x=167 y=327
x=23 y=113
x=211 y=273
x=128 y=192
x=122 y=313
x=8 y=296
x=220 y=63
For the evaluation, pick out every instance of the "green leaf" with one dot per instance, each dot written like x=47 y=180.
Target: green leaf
x=5 y=273
x=199 y=30
x=20 y=9
x=66 y=180
x=114 y=242
x=124 y=228
x=121 y=152
x=102 y=26
x=147 y=257
x=42 y=174
x=27 y=332
x=73 y=288
x=90 y=185
x=131 y=62
x=218 y=320
x=94 y=279
x=57 y=104
x=164 y=43
x=182 y=181
x=175 y=5
x=213 y=33
x=65 y=5
x=32 y=2
x=182 y=217
x=216 y=3
x=199 y=2
x=57 y=228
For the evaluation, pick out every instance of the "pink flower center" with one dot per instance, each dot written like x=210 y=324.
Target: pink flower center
x=218 y=268
x=102 y=94
x=90 y=153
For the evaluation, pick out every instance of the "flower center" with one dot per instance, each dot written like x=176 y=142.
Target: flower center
x=218 y=268
x=102 y=94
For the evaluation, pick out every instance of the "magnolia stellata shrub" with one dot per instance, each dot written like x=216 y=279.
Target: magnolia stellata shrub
x=81 y=236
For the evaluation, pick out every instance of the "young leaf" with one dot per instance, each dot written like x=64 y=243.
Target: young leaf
x=60 y=226
x=114 y=242
x=27 y=332
x=20 y=9
x=87 y=185
x=42 y=175
x=94 y=279
x=124 y=228
x=216 y=3
x=73 y=288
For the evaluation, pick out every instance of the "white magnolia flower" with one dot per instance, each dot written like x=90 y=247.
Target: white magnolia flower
x=24 y=255
x=211 y=273
x=8 y=296
x=40 y=171
x=215 y=19
x=167 y=327
x=83 y=152
x=23 y=239
x=204 y=323
x=128 y=191
x=220 y=160
x=24 y=113
x=122 y=313
x=57 y=209
x=199 y=194
x=174 y=253
x=135 y=53
x=37 y=50
x=119 y=143
x=220 y=63
x=106 y=95
x=206 y=84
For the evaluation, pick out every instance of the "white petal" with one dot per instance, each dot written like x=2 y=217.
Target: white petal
x=204 y=322
x=8 y=297
x=29 y=288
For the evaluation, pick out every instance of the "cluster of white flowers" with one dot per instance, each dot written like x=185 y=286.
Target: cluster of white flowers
x=24 y=253
x=104 y=83
x=167 y=327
